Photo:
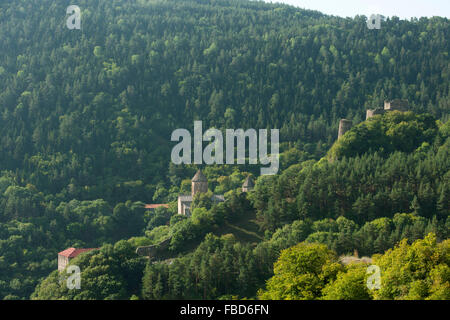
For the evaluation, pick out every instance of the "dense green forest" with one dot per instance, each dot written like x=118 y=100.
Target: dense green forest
x=86 y=118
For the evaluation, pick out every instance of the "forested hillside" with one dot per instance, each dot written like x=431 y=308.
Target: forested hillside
x=88 y=113
x=85 y=123
x=368 y=204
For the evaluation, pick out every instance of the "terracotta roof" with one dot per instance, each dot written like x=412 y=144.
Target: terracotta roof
x=73 y=252
x=199 y=177
x=154 y=206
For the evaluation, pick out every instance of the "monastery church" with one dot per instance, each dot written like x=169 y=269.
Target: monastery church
x=199 y=185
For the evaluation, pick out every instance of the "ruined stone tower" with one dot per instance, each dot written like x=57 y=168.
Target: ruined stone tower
x=373 y=112
x=392 y=105
x=396 y=105
x=199 y=183
x=344 y=126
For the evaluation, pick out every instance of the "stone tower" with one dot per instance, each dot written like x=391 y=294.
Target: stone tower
x=373 y=112
x=392 y=105
x=344 y=126
x=199 y=183
x=248 y=184
x=396 y=105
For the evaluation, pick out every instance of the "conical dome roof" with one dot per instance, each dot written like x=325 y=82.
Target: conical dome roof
x=248 y=183
x=199 y=177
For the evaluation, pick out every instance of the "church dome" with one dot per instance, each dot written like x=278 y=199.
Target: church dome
x=199 y=177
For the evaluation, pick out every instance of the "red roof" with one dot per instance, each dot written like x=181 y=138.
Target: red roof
x=73 y=252
x=154 y=206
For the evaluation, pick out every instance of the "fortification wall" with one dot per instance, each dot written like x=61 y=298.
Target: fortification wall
x=396 y=105
x=153 y=250
x=373 y=112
